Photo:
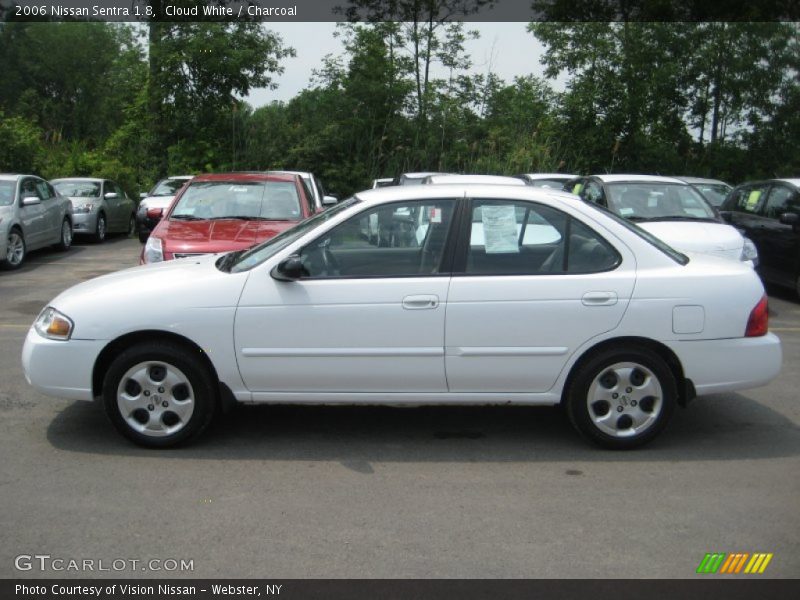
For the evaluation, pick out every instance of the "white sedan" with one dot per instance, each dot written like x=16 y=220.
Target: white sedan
x=450 y=302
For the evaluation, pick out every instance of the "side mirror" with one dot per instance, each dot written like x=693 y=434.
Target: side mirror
x=329 y=200
x=726 y=216
x=792 y=219
x=142 y=195
x=111 y=195
x=289 y=269
x=30 y=200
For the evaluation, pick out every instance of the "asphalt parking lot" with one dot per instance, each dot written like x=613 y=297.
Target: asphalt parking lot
x=295 y=492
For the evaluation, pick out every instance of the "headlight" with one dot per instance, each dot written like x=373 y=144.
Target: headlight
x=153 y=250
x=85 y=208
x=53 y=325
x=749 y=251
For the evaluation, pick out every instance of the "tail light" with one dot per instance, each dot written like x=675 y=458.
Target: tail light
x=758 y=323
x=154 y=213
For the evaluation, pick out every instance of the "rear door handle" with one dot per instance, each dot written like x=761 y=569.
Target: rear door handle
x=421 y=302
x=599 y=298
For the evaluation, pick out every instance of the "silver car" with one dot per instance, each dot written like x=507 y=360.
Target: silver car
x=99 y=206
x=32 y=215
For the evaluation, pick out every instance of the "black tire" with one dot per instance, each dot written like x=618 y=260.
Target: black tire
x=581 y=414
x=203 y=386
x=100 y=232
x=65 y=242
x=131 y=226
x=15 y=235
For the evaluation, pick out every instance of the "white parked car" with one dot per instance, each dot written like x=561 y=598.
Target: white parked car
x=472 y=179
x=670 y=209
x=553 y=181
x=154 y=204
x=599 y=316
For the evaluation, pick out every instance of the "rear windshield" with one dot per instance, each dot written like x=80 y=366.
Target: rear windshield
x=678 y=257
x=78 y=189
x=265 y=200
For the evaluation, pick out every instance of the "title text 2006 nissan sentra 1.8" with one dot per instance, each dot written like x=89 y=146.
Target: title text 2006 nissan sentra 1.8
x=452 y=294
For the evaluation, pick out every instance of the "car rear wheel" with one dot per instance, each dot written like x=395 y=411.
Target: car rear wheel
x=131 y=226
x=159 y=394
x=65 y=241
x=16 y=251
x=622 y=397
x=100 y=231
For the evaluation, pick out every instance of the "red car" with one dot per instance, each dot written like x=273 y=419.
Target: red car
x=223 y=212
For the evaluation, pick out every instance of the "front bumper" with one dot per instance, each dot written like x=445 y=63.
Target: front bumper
x=60 y=369
x=717 y=366
x=84 y=222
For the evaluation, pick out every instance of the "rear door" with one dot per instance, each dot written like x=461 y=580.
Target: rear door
x=51 y=211
x=531 y=286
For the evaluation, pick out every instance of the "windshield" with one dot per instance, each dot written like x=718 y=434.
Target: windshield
x=715 y=193
x=678 y=257
x=78 y=189
x=7 y=192
x=268 y=200
x=167 y=187
x=236 y=262
x=646 y=201
x=555 y=184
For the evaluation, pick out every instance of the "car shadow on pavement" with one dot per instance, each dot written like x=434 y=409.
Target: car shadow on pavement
x=729 y=427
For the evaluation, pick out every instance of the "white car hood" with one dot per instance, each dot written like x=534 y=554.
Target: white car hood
x=157 y=201
x=697 y=236
x=148 y=295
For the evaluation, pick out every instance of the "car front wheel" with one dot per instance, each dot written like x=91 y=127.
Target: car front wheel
x=16 y=251
x=100 y=231
x=65 y=241
x=159 y=394
x=622 y=398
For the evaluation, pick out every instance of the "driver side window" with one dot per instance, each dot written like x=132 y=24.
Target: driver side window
x=402 y=239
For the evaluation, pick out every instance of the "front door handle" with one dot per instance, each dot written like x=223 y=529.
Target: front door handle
x=599 y=298
x=421 y=302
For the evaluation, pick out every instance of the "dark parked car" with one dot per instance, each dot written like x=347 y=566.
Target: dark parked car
x=769 y=214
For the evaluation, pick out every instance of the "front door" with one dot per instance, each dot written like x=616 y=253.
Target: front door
x=367 y=316
x=780 y=243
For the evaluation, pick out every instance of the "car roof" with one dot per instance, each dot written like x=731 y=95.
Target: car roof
x=701 y=180
x=92 y=179
x=475 y=179
x=186 y=177
x=12 y=176
x=635 y=178
x=446 y=190
x=421 y=174
x=793 y=180
x=564 y=176
x=242 y=176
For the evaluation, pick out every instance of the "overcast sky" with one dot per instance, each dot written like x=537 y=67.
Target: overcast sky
x=506 y=49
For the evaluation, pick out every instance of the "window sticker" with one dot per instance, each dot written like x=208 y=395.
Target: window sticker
x=752 y=200
x=576 y=189
x=436 y=215
x=500 y=229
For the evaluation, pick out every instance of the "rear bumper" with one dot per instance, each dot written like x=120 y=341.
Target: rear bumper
x=717 y=366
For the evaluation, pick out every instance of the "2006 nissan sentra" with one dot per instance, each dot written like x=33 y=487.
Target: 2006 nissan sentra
x=452 y=294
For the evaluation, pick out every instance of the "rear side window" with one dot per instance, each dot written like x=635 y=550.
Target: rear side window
x=523 y=238
x=748 y=199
